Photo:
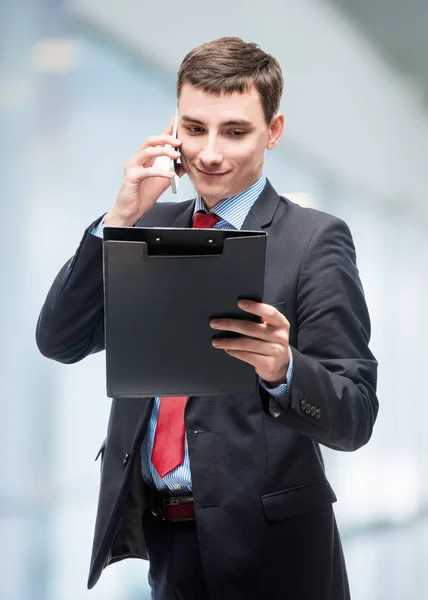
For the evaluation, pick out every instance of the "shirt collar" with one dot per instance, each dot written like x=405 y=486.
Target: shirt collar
x=235 y=209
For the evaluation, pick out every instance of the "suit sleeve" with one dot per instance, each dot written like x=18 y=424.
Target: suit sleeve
x=333 y=397
x=71 y=322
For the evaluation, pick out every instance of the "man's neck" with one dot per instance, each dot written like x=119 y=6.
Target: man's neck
x=211 y=203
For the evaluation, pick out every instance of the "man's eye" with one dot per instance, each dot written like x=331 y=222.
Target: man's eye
x=194 y=129
x=237 y=133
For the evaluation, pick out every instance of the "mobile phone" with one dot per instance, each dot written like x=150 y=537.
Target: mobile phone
x=173 y=163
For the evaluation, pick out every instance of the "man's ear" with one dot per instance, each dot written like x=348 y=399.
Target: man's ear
x=276 y=128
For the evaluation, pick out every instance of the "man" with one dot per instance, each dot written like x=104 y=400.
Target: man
x=245 y=472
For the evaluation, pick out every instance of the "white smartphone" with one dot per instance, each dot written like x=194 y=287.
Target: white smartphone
x=173 y=163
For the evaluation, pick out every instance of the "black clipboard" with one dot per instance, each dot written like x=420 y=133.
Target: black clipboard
x=161 y=287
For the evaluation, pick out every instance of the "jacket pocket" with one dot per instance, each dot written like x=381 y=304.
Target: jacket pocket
x=297 y=500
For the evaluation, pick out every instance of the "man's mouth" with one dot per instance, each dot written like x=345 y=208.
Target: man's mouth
x=211 y=174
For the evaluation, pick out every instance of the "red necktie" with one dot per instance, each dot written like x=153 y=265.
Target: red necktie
x=168 y=447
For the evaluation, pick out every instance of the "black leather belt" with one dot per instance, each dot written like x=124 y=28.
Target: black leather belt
x=172 y=508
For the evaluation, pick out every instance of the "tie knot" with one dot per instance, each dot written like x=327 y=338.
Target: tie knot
x=205 y=220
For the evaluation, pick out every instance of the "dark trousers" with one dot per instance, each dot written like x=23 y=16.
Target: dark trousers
x=303 y=573
x=175 y=563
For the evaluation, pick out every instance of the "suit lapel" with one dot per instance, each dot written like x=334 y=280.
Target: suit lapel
x=263 y=210
x=185 y=218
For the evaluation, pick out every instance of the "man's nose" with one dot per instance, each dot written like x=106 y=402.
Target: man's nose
x=210 y=154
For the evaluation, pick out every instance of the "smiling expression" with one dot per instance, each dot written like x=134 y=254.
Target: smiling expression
x=224 y=138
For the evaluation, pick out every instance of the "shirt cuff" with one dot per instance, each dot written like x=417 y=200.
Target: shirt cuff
x=98 y=230
x=280 y=395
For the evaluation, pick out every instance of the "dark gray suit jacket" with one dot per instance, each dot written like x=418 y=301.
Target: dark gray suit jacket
x=263 y=504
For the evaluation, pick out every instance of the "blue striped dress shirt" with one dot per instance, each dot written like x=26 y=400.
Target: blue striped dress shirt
x=233 y=212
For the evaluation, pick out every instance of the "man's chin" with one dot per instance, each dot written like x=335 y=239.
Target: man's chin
x=212 y=191
x=208 y=187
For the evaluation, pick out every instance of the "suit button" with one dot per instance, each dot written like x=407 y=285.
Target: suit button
x=303 y=405
x=125 y=459
x=313 y=411
x=318 y=414
x=308 y=408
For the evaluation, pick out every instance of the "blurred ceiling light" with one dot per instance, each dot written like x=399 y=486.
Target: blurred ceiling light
x=54 y=55
x=303 y=199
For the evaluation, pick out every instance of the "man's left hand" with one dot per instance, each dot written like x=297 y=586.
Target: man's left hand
x=263 y=345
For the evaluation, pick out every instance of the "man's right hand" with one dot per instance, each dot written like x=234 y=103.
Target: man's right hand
x=143 y=183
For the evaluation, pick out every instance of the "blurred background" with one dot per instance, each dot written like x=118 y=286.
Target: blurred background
x=82 y=84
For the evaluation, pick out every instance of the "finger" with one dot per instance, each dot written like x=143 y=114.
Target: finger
x=157 y=172
x=256 y=360
x=268 y=313
x=255 y=330
x=249 y=345
x=140 y=173
x=160 y=140
x=147 y=156
x=260 y=331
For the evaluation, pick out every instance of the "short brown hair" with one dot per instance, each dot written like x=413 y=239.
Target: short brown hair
x=230 y=65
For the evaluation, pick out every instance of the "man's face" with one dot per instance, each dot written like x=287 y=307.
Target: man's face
x=224 y=139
